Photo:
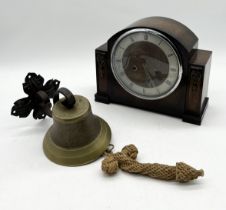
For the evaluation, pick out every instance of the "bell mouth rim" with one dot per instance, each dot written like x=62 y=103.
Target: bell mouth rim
x=81 y=155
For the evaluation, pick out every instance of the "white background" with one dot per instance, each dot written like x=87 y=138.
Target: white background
x=57 y=38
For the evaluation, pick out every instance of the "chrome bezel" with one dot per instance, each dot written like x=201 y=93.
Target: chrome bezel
x=174 y=49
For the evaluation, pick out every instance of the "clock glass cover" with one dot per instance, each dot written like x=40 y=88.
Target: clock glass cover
x=145 y=64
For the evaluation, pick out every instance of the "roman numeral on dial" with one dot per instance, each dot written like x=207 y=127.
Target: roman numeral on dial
x=145 y=37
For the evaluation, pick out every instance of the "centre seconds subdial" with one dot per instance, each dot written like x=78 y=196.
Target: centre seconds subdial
x=145 y=64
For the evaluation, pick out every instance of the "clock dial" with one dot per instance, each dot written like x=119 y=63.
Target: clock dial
x=145 y=64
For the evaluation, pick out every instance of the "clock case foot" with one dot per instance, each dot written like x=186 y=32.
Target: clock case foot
x=196 y=119
x=102 y=98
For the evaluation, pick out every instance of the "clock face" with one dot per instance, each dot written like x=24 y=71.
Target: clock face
x=145 y=64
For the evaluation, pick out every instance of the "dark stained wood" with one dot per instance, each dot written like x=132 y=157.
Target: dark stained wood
x=198 y=79
x=102 y=73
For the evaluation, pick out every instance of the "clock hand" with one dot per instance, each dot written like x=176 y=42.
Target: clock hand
x=147 y=78
x=127 y=61
x=150 y=78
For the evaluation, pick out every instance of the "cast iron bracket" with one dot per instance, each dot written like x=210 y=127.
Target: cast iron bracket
x=38 y=99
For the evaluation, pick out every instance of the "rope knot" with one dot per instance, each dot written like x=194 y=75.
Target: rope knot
x=131 y=151
x=110 y=165
x=185 y=173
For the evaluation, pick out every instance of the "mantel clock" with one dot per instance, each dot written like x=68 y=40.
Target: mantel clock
x=155 y=64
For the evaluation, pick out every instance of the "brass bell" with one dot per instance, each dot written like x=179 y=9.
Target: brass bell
x=77 y=137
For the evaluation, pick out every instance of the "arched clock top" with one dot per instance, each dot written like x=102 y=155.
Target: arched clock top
x=171 y=28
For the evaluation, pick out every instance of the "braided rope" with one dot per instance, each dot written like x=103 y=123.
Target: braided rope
x=126 y=160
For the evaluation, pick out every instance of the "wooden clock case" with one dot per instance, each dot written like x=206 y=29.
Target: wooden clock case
x=189 y=100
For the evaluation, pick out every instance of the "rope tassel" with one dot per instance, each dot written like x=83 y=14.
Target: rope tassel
x=126 y=161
